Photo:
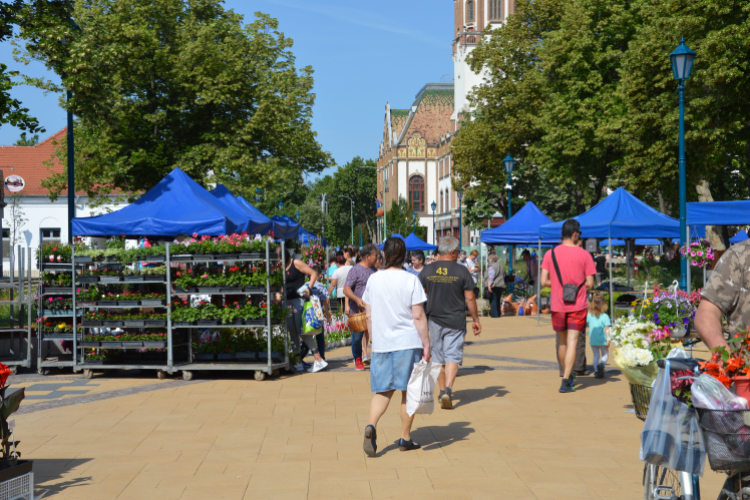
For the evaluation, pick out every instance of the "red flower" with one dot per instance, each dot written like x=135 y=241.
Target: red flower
x=4 y=373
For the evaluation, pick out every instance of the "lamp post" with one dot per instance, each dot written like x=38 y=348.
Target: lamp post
x=281 y=206
x=385 y=212
x=509 y=161
x=460 y=193
x=682 y=64
x=352 y=214
x=297 y=216
x=258 y=194
x=433 y=205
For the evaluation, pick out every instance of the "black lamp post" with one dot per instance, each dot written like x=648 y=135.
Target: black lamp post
x=433 y=205
x=682 y=64
x=509 y=161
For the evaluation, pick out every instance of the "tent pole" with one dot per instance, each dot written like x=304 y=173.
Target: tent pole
x=687 y=257
x=627 y=258
x=611 y=291
x=538 y=284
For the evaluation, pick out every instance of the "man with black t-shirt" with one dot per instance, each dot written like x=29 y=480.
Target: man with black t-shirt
x=449 y=288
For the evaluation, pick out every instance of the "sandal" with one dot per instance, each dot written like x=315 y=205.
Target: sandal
x=370 y=444
x=407 y=445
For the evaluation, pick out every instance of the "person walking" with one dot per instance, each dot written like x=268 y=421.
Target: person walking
x=394 y=300
x=599 y=323
x=338 y=280
x=495 y=284
x=573 y=270
x=296 y=271
x=354 y=289
x=449 y=289
x=601 y=267
x=473 y=266
x=417 y=262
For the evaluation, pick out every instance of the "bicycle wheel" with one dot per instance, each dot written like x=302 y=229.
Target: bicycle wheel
x=733 y=485
x=660 y=480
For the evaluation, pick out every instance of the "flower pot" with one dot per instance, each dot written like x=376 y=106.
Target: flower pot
x=91 y=322
x=679 y=332
x=208 y=322
x=251 y=256
x=132 y=344
x=152 y=302
x=255 y=289
x=127 y=303
x=255 y=322
x=182 y=323
x=57 y=289
x=205 y=357
x=349 y=341
x=154 y=258
x=82 y=259
x=204 y=256
x=106 y=303
x=93 y=362
x=106 y=344
x=159 y=278
x=155 y=322
x=209 y=289
x=226 y=256
x=129 y=323
x=742 y=387
x=225 y=356
x=110 y=279
x=13 y=468
x=111 y=323
x=182 y=257
x=183 y=291
x=88 y=343
x=236 y=321
x=111 y=258
x=88 y=279
x=246 y=355
x=230 y=289
x=134 y=278
x=155 y=344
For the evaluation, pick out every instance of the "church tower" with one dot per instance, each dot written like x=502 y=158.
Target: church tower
x=472 y=17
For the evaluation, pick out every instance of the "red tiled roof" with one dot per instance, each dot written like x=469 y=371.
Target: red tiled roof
x=28 y=162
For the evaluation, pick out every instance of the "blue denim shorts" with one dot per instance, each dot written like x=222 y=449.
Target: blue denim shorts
x=390 y=371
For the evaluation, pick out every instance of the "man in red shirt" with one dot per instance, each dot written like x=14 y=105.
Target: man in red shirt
x=568 y=264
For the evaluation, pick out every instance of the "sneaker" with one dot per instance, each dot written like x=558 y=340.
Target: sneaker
x=365 y=361
x=358 y=365
x=317 y=366
x=306 y=365
x=445 y=400
x=299 y=367
x=567 y=385
x=600 y=371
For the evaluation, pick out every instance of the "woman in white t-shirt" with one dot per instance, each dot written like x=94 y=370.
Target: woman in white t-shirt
x=338 y=280
x=394 y=300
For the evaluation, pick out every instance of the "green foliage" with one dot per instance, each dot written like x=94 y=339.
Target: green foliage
x=27 y=141
x=169 y=83
x=399 y=219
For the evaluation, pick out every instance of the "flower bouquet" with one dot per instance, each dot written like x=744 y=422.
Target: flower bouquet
x=314 y=255
x=671 y=309
x=637 y=343
x=699 y=254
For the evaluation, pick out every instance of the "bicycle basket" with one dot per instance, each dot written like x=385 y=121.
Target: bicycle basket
x=727 y=438
x=641 y=397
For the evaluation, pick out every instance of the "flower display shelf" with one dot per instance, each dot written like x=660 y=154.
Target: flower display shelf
x=175 y=353
x=57 y=290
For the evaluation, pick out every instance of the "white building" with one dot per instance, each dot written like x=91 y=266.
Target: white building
x=24 y=168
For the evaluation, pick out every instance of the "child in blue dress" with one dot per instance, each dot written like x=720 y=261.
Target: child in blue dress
x=598 y=323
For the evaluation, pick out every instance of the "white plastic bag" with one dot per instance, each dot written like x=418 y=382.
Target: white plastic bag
x=671 y=436
x=420 y=393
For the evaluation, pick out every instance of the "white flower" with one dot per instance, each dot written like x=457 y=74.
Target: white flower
x=635 y=356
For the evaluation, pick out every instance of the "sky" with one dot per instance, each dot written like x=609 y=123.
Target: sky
x=364 y=54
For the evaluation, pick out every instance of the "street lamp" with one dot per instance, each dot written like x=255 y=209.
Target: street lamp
x=297 y=216
x=682 y=64
x=352 y=214
x=258 y=192
x=460 y=193
x=509 y=161
x=385 y=212
x=433 y=205
x=281 y=205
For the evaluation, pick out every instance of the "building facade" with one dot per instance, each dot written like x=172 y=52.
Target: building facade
x=414 y=160
x=37 y=215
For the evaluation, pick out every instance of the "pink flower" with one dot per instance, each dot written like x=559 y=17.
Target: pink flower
x=695 y=262
x=700 y=254
x=692 y=254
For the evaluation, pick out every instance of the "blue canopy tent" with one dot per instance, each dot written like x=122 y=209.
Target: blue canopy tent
x=521 y=229
x=619 y=215
x=392 y=236
x=176 y=205
x=307 y=238
x=256 y=224
x=739 y=237
x=718 y=213
x=641 y=242
x=287 y=227
x=413 y=242
x=278 y=227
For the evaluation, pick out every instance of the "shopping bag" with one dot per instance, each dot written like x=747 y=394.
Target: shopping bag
x=671 y=435
x=312 y=321
x=420 y=392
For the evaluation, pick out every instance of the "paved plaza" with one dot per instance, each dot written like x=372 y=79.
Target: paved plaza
x=510 y=434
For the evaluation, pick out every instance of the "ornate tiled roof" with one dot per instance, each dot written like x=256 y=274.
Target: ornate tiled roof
x=398 y=119
x=430 y=114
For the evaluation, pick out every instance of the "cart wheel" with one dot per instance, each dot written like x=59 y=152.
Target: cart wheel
x=88 y=373
x=161 y=374
x=260 y=375
x=186 y=375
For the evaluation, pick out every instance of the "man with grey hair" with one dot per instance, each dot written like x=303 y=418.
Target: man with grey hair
x=449 y=288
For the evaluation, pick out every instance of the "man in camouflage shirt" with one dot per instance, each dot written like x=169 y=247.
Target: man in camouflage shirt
x=726 y=293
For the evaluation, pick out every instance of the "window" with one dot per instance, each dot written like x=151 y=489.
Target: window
x=470 y=12
x=495 y=10
x=416 y=193
x=50 y=234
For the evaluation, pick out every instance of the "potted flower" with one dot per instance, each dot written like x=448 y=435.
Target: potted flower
x=732 y=364
x=671 y=308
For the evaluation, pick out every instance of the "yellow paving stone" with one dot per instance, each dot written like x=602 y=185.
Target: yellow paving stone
x=337 y=489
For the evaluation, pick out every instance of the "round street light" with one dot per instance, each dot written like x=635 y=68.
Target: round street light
x=281 y=205
x=258 y=192
x=682 y=61
x=509 y=161
x=297 y=216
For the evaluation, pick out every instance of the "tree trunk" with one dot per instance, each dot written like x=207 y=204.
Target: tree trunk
x=712 y=235
x=662 y=208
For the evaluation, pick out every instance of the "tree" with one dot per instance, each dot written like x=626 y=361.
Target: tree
x=15 y=219
x=356 y=180
x=400 y=220
x=160 y=84
x=27 y=141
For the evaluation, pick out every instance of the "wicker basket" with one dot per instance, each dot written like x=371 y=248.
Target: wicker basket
x=641 y=398
x=358 y=322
